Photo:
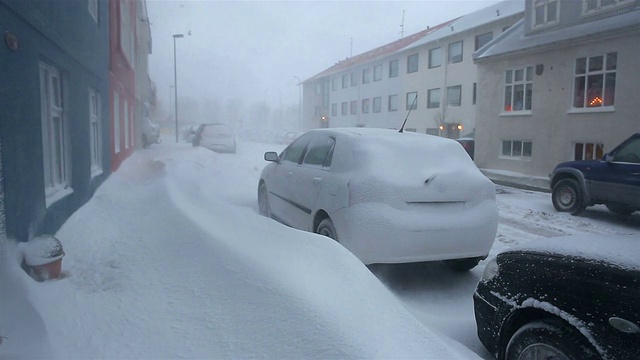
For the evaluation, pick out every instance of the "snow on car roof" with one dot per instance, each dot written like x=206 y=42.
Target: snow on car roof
x=618 y=250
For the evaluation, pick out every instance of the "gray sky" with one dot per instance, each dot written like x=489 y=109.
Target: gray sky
x=254 y=49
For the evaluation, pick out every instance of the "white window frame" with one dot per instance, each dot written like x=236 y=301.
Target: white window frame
x=354 y=79
x=93 y=7
x=413 y=61
x=377 y=104
x=56 y=160
x=608 y=69
x=366 y=76
x=453 y=49
x=586 y=4
x=431 y=93
x=353 y=107
x=435 y=57
x=457 y=99
x=394 y=68
x=515 y=151
x=393 y=103
x=512 y=84
x=377 y=72
x=411 y=97
x=345 y=81
x=546 y=6
x=365 y=106
x=95 y=132
x=344 y=109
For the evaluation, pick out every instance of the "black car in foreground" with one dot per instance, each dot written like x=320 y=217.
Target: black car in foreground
x=568 y=298
x=613 y=180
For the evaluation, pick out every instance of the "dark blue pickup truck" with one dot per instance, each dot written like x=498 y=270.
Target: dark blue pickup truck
x=613 y=181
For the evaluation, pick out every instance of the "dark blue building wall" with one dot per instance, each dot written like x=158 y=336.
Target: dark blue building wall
x=62 y=34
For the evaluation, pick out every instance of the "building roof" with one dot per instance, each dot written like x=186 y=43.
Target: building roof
x=516 y=41
x=430 y=34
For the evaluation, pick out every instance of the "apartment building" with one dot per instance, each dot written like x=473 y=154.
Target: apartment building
x=431 y=72
x=562 y=84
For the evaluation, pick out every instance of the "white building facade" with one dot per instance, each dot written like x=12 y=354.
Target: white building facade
x=431 y=72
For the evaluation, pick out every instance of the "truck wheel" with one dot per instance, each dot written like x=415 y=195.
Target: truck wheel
x=567 y=196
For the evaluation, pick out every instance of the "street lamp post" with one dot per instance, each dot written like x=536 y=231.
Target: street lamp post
x=299 y=104
x=175 y=79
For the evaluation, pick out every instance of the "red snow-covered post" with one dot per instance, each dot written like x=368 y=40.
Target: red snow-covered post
x=43 y=257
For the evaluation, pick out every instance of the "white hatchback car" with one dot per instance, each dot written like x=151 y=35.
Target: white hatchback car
x=386 y=196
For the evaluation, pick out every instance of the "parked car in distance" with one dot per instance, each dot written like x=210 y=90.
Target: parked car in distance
x=613 y=180
x=469 y=144
x=150 y=133
x=386 y=196
x=290 y=136
x=573 y=297
x=216 y=137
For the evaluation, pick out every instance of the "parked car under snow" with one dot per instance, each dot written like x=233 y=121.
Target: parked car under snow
x=386 y=196
x=573 y=297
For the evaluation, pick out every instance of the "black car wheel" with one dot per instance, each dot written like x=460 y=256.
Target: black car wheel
x=620 y=209
x=548 y=340
x=463 y=264
x=263 y=200
x=327 y=229
x=567 y=196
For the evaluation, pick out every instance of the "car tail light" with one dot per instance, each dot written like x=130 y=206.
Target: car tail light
x=491 y=270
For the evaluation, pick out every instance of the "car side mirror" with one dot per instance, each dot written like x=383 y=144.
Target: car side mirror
x=608 y=157
x=271 y=156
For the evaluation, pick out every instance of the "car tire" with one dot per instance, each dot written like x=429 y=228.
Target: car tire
x=551 y=337
x=462 y=265
x=327 y=229
x=263 y=200
x=620 y=209
x=567 y=196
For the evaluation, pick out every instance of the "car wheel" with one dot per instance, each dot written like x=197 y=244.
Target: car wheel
x=327 y=229
x=463 y=264
x=549 y=339
x=620 y=209
x=263 y=200
x=567 y=196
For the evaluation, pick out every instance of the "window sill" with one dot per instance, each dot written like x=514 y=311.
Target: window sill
x=516 y=113
x=57 y=195
x=520 y=158
x=597 y=110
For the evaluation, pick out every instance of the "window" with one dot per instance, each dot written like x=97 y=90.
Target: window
x=393 y=68
x=518 y=89
x=433 y=98
x=412 y=63
x=454 y=95
x=366 y=76
x=628 y=153
x=93 y=9
x=345 y=81
x=54 y=134
x=365 y=106
x=517 y=148
x=353 y=107
x=483 y=39
x=594 y=6
x=334 y=84
x=354 y=79
x=127 y=42
x=377 y=104
x=344 y=108
x=294 y=151
x=595 y=81
x=334 y=109
x=377 y=72
x=588 y=151
x=318 y=88
x=319 y=152
x=116 y=122
x=455 y=52
x=545 y=12
x=412 y=100
x=473 y=99
x=435 y=57
x=393 y=102
x=95 y=137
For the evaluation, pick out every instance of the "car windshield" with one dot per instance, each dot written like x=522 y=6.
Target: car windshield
x=144 y=213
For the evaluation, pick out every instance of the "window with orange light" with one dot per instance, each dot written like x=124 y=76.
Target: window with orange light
x=595 y=81
x=518 y=89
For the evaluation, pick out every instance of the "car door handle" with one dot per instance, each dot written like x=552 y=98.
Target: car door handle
x=317 y=180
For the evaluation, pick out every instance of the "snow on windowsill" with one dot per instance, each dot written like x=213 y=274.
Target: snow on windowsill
x=516 y=113
x=597 y=110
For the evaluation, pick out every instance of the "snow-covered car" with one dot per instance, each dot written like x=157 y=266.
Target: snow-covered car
x=150 y=133
x=387 y=196
x=216 y=137
x=573 y=297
